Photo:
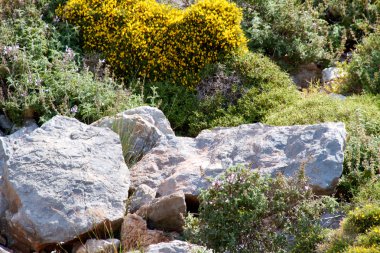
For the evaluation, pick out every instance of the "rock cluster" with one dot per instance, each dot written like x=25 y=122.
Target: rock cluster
x=63 y=181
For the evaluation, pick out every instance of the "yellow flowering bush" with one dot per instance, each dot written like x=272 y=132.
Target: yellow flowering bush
x=362 y=250
x=363 y=218
x=146 y=39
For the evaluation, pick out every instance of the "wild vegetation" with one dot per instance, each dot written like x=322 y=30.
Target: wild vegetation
x=215 y=63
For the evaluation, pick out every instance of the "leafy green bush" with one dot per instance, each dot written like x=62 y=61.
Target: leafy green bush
x=363 y=70
x=41 y=77
x=175 y=101
x=263 y=87
x=291 y=31
x=356 y=18
x=245 y=212
x=368 y=193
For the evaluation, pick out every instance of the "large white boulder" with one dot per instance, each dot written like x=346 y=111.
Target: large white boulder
x=60 y=181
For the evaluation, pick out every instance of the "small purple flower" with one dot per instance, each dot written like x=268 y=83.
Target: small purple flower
x=231 y=179
x=69 y=54
x=217 y=184
x=74 y=109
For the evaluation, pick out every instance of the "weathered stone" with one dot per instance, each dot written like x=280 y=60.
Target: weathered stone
x=140 y=130
x=135 y=234
x=27 y=129
x=332 y=220
x=185 y=164
x=153 y=116
x=61 y=181
x=175 y=247
x=143 y=195
x=330 y=74
x=99 y=246
x=166 y=213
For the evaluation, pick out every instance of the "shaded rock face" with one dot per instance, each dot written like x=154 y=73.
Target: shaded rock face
x=305 y=74
x=135 y=234
x=60 y=181
x=184 y=164
x=166 y=213
x=140 y=130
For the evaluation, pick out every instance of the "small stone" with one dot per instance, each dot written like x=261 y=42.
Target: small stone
x=143 y=195
x=99 y=246
x=135 y=234
x=166 y=213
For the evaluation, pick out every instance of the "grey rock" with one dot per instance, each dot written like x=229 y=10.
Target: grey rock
x=27 y=129
x=166 y=213
x=175 y=247
x=153 y=116
x=332 y=220
x=99 y=246
x=140 y=130
x=330 y=74
x=5 y=123
x=186 y=164
x=143 y=195
x=60 y=181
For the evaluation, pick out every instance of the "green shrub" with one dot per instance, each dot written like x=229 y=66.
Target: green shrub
x=42 y=77
x=291 y=31
x=263 y=87
x=356 y=18
x=176 y=102
x=368 y=193
x=363 y=70
x=245 y=212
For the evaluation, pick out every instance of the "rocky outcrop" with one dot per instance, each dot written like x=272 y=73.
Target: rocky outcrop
x=135 y=234
x=60 y=181
x=140 y=130
x=186 y=164
x=166 y=213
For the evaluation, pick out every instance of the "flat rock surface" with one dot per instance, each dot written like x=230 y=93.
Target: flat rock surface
x=186 y=164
